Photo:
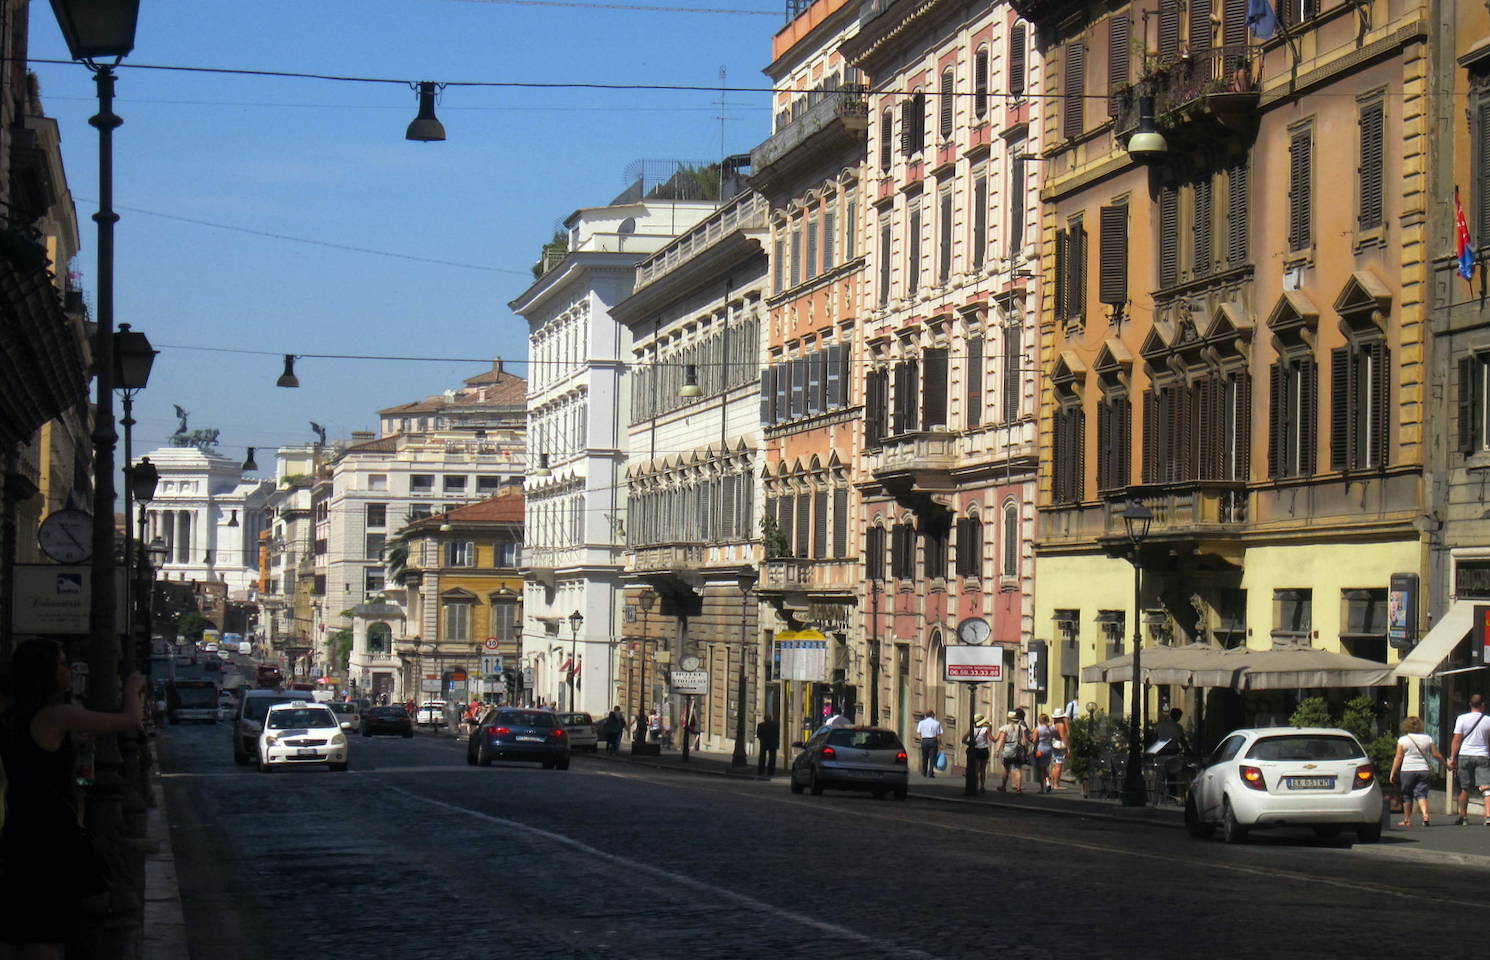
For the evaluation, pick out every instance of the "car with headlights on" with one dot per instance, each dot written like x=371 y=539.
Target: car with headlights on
x=581 y=730
x=1317 y=777
x=852 y=758
x=248 y=722
x=301 y=732
x=515 y=733
x=390 y=719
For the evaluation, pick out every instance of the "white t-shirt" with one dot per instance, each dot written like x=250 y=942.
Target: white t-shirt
x=929 y=728
x=1476 y=743
x=1416 y=749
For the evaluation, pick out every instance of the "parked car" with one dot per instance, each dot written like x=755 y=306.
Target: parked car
x=581 y=730
x=511 y=733
x=348 y=713
x=431 y=713
x=249 y=721
x=387 y=720
x=1281 y=776
x=852 y=758
x=301 y=732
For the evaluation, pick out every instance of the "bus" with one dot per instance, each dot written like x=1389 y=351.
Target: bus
x=267 y=676
x=191 y=700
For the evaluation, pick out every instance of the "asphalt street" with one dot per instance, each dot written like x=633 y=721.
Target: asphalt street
x=414 y=854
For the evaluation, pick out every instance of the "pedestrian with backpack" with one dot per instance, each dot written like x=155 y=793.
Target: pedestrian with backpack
x=1012 y=744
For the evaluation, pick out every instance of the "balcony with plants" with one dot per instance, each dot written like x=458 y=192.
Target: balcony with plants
x=1198 y=95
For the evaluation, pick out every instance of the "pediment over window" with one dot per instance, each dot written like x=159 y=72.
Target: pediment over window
x=1364 y=301
x=457 y=593
x=1294 y=318
x=1068 y=374
x=1114 y=362
x=1231 y=329
x=1158 y=342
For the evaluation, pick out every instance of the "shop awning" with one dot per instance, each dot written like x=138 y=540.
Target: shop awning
x=1174 y=665
x=1439 y=642
x=1202 y=665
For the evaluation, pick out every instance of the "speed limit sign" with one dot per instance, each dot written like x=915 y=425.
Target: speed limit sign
x=492 y=644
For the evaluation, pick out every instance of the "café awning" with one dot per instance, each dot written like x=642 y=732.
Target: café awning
x=1202 y=665
x=1439 y=642
x=1173 y=665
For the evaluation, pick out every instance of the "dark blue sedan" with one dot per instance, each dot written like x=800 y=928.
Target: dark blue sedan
x=513 y=733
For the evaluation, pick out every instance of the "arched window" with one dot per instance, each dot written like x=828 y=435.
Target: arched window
x=1011 y=541
x=970 y=545
x=379 y=638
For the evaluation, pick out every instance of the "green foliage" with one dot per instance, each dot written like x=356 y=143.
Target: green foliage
x=1312 y=712
x=773 y=539
x=341 y=647
x=1382 y=751
x=1093 y=735
x=297 y=480
x=190 y=625
x=1359 y=718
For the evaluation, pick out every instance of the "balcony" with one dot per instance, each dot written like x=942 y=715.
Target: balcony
x=838 y=120
x=1199 y=96
x=1208 y=516
x=915 y=466
x=669 y=558
x=806 y=579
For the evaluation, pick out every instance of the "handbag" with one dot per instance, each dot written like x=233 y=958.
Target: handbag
x=1057 y=744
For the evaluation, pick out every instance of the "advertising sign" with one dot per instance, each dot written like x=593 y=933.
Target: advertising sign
x=1479 y=635
x=967 y=663
x=51 y=598
x=803 y=655
x=690 y=681
x=1402 y=610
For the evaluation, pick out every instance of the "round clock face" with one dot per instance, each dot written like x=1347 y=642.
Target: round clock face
x=67 y=536
x=973 y=630
x=689 y=663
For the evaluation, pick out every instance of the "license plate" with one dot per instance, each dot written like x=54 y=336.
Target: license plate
x=305 y=752
x=1311 y=783
x=530 y=739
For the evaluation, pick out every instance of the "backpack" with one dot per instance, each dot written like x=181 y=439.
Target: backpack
x=1010 y=751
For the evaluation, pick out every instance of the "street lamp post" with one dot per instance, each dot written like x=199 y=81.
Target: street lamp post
x=646 y=601
x=576 y=620
x=740 y=759
x=1136 y=518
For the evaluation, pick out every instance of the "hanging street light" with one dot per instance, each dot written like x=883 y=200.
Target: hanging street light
x=288 y=378
x=426 y=128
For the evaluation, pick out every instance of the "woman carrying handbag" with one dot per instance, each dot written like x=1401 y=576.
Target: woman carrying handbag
x=1413 y=750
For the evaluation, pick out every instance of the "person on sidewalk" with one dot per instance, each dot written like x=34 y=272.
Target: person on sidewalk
x=615 y=725
x=641 y=725
x=1411 y=761
x=768 y=740
x=1044 y=738
x=1469 y=757
x=979 y=742
x=1059 y=746
x=929 y=731
x=1012 y=744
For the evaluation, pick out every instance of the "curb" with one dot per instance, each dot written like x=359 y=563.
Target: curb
x=164 y=921
x=616 y=758
x=1142 y=815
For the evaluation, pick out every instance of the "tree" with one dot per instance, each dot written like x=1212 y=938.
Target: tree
x=341 y=647
x=189 y=626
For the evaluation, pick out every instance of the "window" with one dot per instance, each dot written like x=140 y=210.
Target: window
x=1364 y=632
x=1360 y=412
x=1169 y=31
x=372 y=580
x=874 y=553
x=944 y=253
x=507 y=553
x=887 y=127
x=1292 y=439
x=1117 y=59
x=876 y=407
x=903 y=551
x=1016 y=201
x=419 y=511
x=1292 y=614
x=1474 y=424
x=1013 y=372
x=457 y=621
x=1072 y=120
x=907 y=390
x=1070 y=265
x=850 y=228
x=1292 y=12
x=1112 y=285
x=829 y=235
x=1169 y=236
x=887 y=250
x=980 y=83
x=375 y=544
x=969 y=546
x=422 y=483
x=1372 y=127
x=778 y=261
x=377 y=481
x=1114 y=442
x=794 y=268
x=973 y=375
x=1236 y=214
x=1478 y=206
x=1199 y=430
x=1017 y=60
x=934 y=388
x=377 y=514
x=820 y=545
x=979 y=203
x=488 y=484
x=1201 y=226
x=1068 y=467
x=944 y=107
x=1010 y=568
x=913 y=257
x=840 y=522
x=912 y=124
x=1301 y=189
x=811 y=270
x=379 y=638
x=460 y=553
x=934 y=548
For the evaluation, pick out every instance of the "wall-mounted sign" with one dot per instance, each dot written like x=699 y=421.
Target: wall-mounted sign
x=977 y=664
x=1402 y=610
x=50 y=598
x=803 y=655
x=690 y=682
x=1479 y=635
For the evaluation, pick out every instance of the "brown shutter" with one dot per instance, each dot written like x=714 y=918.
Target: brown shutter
x=1117 y=59
x=1201 y=250
x=1481 y=175
x=1169 y=237
x=918 y=100
x=1078 y=485
x=768 y=395
x=980 y=82
x=944 y=117
x=1371 y=123
x=1060 y=274
x=1469 y=409
x=1150 y=436
x=1207 y=447
x=1343 y=411
x=1243 y=427
x=1073 y=121
x=1308 y=416
x=934 y=388
x=1104 y=446
x=820 y=524
x=1169 y=30
x=1200 y=27
x=1277 y=385
x=887 y=138
x=1125 y=442
x=804 y=525
x=1076 y=261
x=1234 y=23
x=1017 y=60
x=1113 y=283
x=973 y=414
x=1381 y=406
x=1236 y=215
x=907 y=127
x=840 y=522
x=1300 y=190
x=874 y=409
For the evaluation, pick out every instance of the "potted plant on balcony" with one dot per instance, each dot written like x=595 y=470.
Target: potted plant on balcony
x=773 y=540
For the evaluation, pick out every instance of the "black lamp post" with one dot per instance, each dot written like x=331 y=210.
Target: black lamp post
x=576 y=620
x=646 y=602
x=1136 y=518
x=133 y=358
x=740 y=759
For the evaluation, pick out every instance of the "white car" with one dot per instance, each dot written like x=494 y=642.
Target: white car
x=301 y=732
x=227 y=705
x=1286 y=776
x=431 y=713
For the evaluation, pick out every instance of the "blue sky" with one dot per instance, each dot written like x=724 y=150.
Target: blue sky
x=326 y=161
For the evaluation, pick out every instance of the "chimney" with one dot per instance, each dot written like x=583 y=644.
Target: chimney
x=496 y=365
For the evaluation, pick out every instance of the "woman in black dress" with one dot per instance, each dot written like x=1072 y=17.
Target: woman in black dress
x=37 y=885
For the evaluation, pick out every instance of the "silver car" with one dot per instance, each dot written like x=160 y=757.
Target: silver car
x=581 y=730
x=852 y=758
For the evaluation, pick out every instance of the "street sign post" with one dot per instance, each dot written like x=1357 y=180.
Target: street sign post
x=690 y=682
x=967 y=663
x=492 y=643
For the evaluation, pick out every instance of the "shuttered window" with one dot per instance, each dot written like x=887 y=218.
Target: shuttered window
x=1301 y=190
x=1117 y=59
x=1169 y=30
x=907 y=385
x=1112 y=285
x=913 y=255
x=784 y=524
x=934 y=388
x=980 y=83
x=1012 y=541
x=817 y=371
x=1372 y=124
x=1234 y=26
x=974 y=377
x=830 y=225
x=934 y=538
x=902 y=551
x=1075 y=271
x=1060 y=274
x=887 y=138
x=907 y=127
x=820 y=525
x=979 y=203
x=729 y=516
x=850 y=229
x=876 y=410
x=1073 y=121
x=811 y=270
x=1292 y=417
x=768 y=395
x=944 y=111
x=1479 y=209
x=779 y=267
x=804 y=525
x=1068 y=463
x=799 y=386
x=1013 y=372
x=969 y=547
x=886 y=252
x=1200 y=26
x=837 y=377
x=1202 y=229
x=840 y=522
x=1360 y=416
x=795 y=267
x=1016 y=202
x=783 y=391
x=944 y=253
x=1293 y=12
x=1017 y=60
x=1169 y=237
x=874 y=553
x=1114 y=443
x=1473 y=431
x=1236 y=215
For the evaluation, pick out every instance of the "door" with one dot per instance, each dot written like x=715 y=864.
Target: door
x=1210 y=786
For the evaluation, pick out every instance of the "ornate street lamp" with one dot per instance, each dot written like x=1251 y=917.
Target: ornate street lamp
x=1137 y=519
x=576 y=620
x=739 y=758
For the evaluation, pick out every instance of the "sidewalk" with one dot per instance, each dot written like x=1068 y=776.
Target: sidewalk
x=164 y=923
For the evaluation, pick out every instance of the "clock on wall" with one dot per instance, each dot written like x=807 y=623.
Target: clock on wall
x=67 y=536
x=973 y=630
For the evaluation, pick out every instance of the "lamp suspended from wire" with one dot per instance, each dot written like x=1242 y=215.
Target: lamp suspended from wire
x=249 y=463
x=1147 y=144
x=426 y=127
x=542 y=469
x=288 y=378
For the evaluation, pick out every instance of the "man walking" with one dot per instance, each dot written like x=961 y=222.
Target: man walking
x=1469 y=756
x=768 y=737
x=615 y=725
x=929 y=731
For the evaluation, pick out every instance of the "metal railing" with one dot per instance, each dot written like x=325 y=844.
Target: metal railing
x=747 y=212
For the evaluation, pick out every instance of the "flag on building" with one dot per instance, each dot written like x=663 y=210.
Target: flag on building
x=1464 y=246
x=1262 y=20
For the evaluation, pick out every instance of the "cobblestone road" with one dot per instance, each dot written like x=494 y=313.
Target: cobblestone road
x=414 y=854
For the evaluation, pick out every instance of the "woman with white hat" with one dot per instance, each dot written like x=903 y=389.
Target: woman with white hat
x=1012 y=744
x=1061 y=744
x=979 y=742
